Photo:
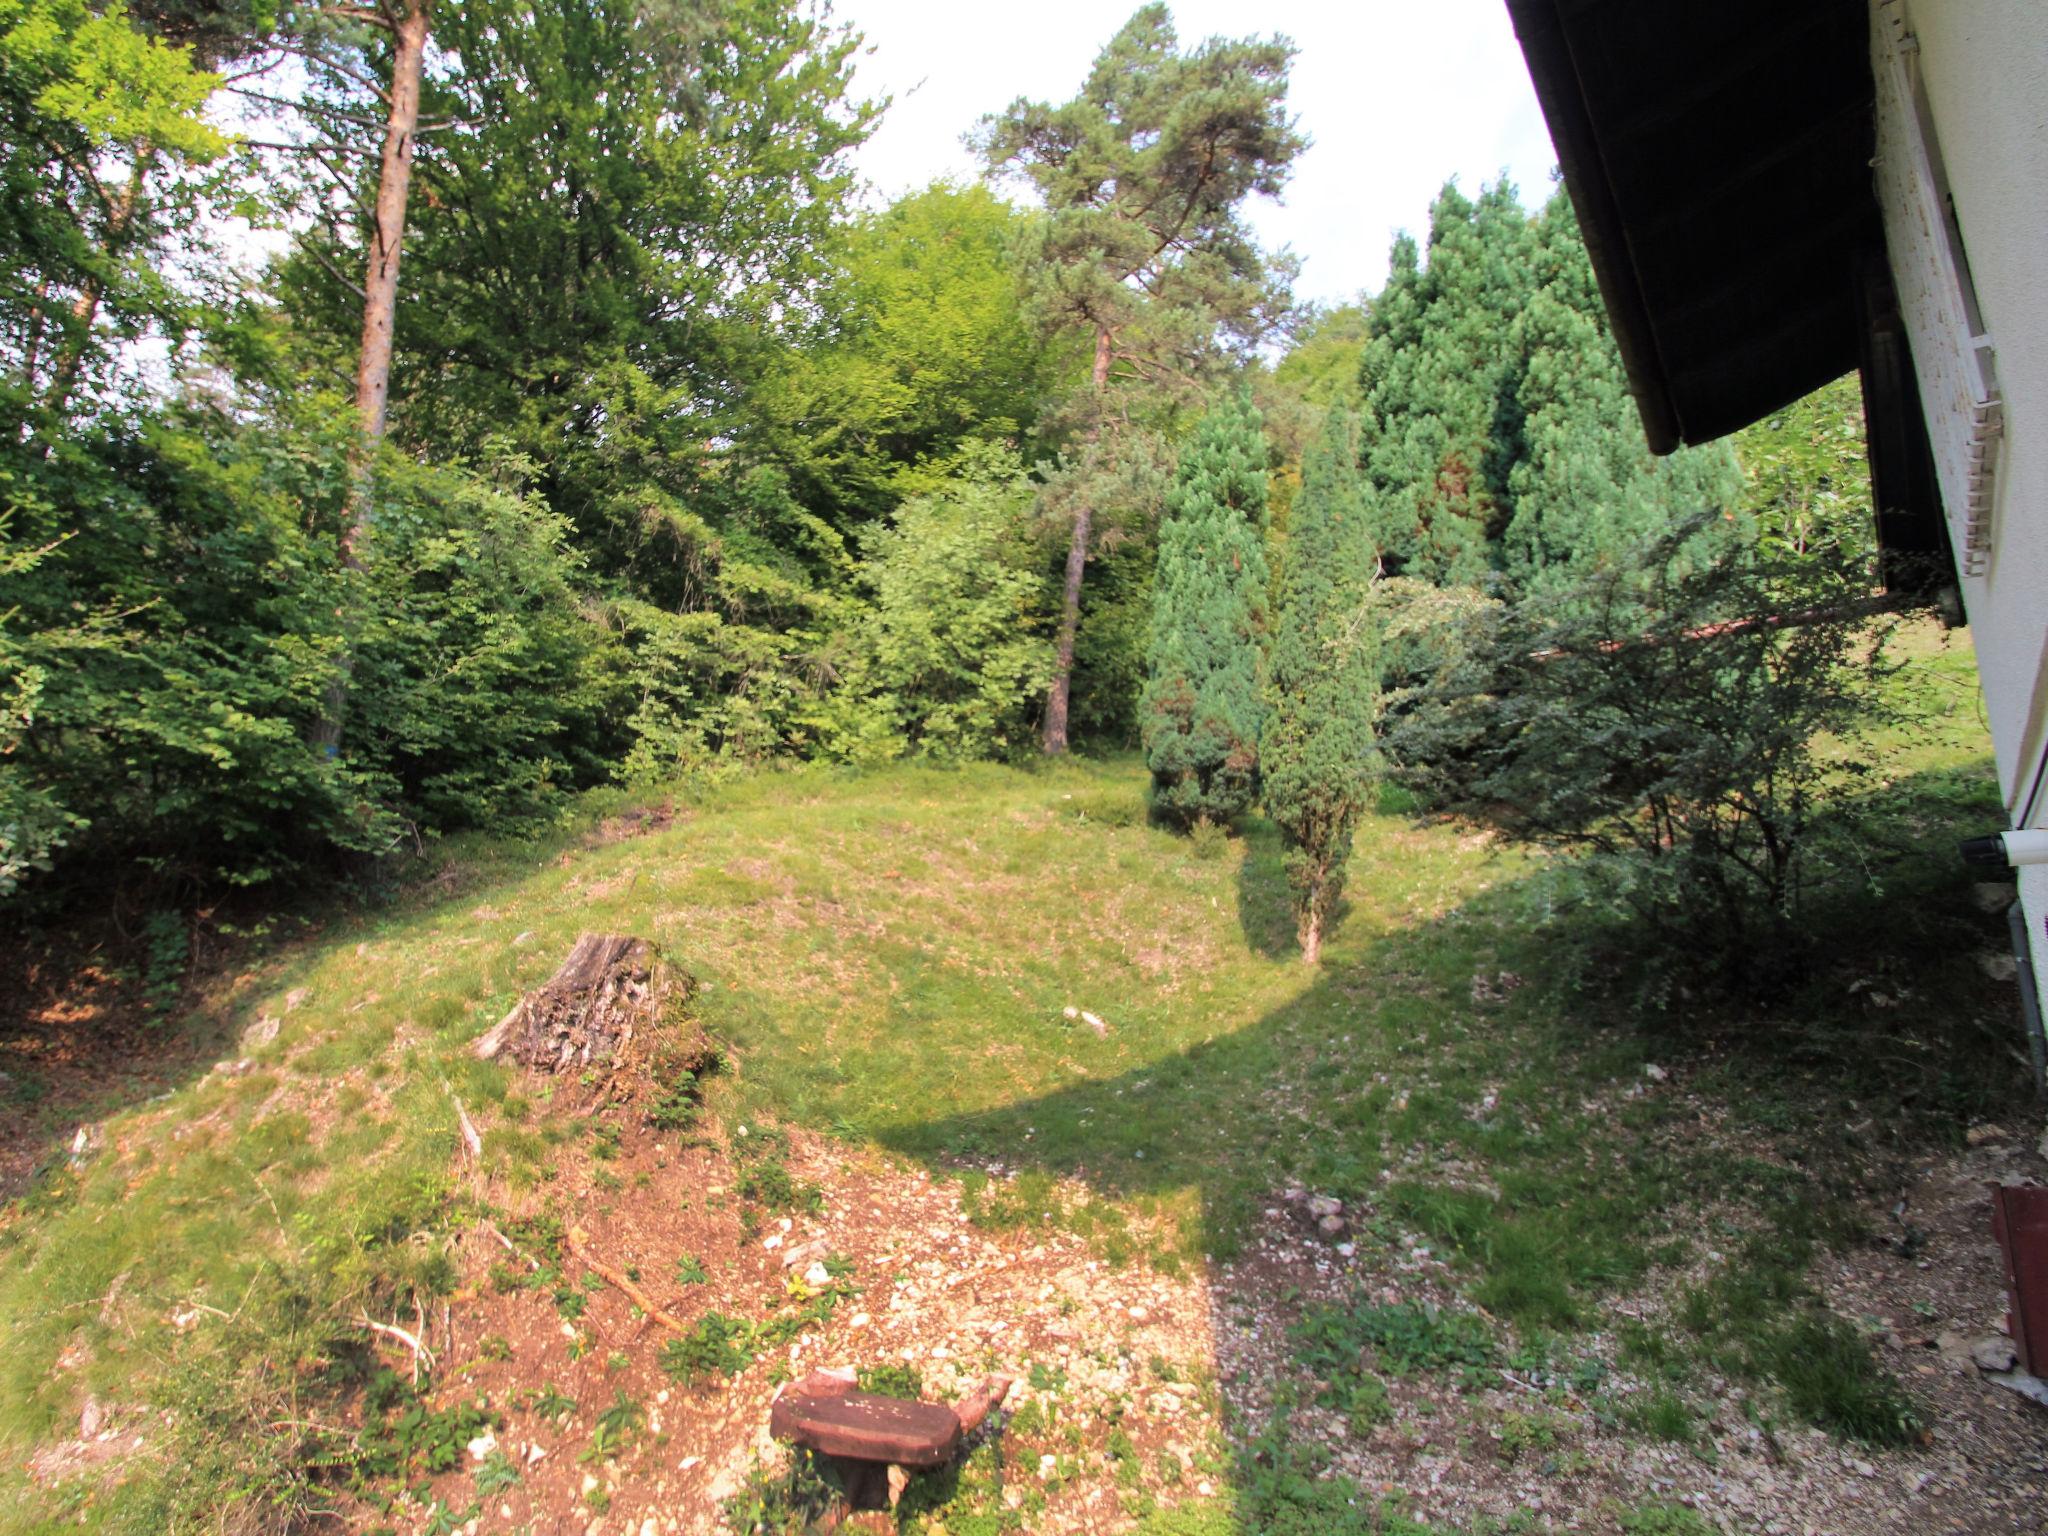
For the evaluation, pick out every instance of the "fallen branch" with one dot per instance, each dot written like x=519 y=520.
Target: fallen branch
x=410 y=1341
x=506 y=1243
x=578 y=1244
x=467 y=1126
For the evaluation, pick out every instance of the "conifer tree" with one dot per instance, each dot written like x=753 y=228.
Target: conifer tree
x=1144 y=251
x=1316 y=754
x=1201 y=705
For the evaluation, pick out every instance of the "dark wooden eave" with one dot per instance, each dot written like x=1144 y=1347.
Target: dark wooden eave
x=1718 y=154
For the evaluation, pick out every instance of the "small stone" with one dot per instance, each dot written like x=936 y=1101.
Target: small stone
x=1070 y=1013
x=590 y=1484
x=772 y=1242
x=1095 y=1023
x=805 y=1253
x=1320 y=1206
x=1998 y=964
x=482 y=1446
x=1994 y=1352
x=262 y=1032
x=520 y=941
x=1655 y=1073
x=91 y=1418
x=534 y=1453
x=1346 y=1250
x=1862 y=1468
x=817 y=1275
x=1330 y=1226
x=1977 y=1135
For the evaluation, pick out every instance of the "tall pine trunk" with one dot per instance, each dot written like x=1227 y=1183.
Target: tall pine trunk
x=408 y=25
x=1060 y=695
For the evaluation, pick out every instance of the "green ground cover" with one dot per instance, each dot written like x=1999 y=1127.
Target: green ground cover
x=890 y=956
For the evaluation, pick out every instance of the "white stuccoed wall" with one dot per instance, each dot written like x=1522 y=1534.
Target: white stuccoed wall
x=1984 y=68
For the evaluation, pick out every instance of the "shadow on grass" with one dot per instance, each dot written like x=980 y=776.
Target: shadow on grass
x=1510 y=1125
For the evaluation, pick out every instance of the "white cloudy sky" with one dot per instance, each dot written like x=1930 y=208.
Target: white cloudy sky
x=1397 y=95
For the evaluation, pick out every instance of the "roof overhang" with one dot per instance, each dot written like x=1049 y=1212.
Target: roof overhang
x=1718 y=153
x=1719 y=159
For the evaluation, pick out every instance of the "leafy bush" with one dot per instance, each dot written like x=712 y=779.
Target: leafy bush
x=951 y=659
x=1680 y=728
x=172 y=612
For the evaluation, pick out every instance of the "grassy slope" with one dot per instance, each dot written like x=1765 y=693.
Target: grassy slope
x=890 y=956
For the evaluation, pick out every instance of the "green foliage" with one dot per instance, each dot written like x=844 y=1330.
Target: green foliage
x=1643 y=720
x=1317 y=756
x=179 y=633
x=1830 y=1379
x=1401 y=1338
x=953 y=656
x=1499 y=436
x=785 y=1499
x=930 y=358
x=1201 y=707
x=717 y=1344
x=1809 y=476
x=892 y=1381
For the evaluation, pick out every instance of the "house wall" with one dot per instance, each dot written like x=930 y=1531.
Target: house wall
x=1983 y=76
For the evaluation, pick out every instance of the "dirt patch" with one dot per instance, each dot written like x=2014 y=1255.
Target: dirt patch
x=1930 y=1282
x=638 y=822
x=1113 y=1401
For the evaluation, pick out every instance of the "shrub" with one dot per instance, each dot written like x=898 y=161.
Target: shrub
x=1680 y=728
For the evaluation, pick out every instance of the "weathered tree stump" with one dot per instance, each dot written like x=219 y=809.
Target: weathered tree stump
x=585 y=1017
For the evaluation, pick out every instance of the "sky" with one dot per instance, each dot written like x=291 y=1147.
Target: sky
x=1398 y=96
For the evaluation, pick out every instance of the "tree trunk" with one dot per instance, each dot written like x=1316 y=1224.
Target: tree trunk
x=1310 y=930
x=85 y=309
x=408 y=25
x=1060 y=694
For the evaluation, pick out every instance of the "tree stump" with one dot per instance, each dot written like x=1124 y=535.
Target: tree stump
x=586 y=1015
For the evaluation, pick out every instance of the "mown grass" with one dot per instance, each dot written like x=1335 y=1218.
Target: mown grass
x=890 y=957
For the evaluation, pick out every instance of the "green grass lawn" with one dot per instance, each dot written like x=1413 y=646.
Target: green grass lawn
x=890 y=957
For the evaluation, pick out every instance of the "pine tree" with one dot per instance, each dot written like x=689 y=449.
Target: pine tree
x=1144 y=251
x=1437 y=373
x=1499 y=439
x=1201 y=705
x=1316 y=753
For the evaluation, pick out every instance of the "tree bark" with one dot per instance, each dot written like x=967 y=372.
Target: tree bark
x=408 y=26
x=1059 y=696
x=1311 y=929
x=85 y=309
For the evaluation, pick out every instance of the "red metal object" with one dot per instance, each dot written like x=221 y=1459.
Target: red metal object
x=2019 y=1220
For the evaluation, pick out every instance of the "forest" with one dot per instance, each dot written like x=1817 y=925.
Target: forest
x=660 y=458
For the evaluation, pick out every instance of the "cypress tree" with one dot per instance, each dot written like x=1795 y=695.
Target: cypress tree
x=1316 y=755
x=1201 y=705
